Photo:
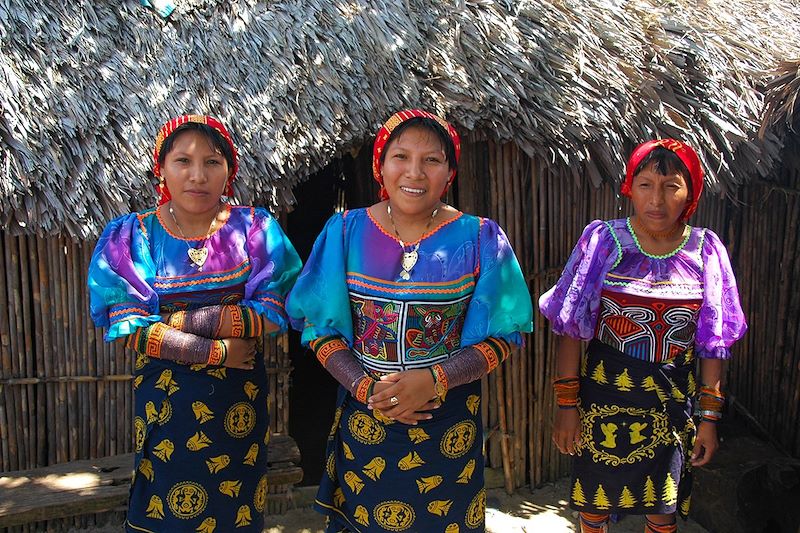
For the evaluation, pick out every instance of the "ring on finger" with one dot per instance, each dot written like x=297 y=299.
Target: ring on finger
x=393 y=400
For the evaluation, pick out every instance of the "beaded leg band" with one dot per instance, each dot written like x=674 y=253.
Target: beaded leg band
x=652 y=527
x=594 y=523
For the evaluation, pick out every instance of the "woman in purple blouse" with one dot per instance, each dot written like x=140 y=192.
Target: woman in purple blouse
x=651 y=294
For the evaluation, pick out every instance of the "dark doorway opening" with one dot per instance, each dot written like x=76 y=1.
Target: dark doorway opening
x=345 y=183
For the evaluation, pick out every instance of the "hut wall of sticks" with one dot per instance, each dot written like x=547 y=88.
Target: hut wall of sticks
x=550 y=97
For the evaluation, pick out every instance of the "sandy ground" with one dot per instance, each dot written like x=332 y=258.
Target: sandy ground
x=542 y=511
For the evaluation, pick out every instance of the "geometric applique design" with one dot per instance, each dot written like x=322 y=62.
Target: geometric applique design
x=395 y=335
x=645 y=328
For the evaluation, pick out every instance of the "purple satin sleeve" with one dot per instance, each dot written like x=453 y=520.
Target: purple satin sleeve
x=721 y=321
x=573 y=305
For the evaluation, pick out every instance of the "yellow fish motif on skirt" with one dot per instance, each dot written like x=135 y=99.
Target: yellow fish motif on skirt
x=466 y=474
x=215 y=464
x=164 y=450
x=417 y=435
x=252 y=455
x=230 y=488
x=348 y=453
x=338 y=497
x=207 y=526
x=355 y=483
x=150 y=412
x=412 y=460
x=146 y=468
x=202 y=412
x=251 y=389
x=198 y=441
x=361 y=515
x=219 y=373
x=137 y=381
x=155 y=509
x=440 y=507
x=473 y=402
x=427 y=484
x=374 y=468
x=198 y=367
x=243 y=516
x=166 y=383
x=382 y=417
x=452 y=528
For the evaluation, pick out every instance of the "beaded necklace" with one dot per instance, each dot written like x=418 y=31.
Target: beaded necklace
x=410 y=257
x=199 y=254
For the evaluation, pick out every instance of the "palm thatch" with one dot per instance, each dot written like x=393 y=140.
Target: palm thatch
x=782 y=101
x=300 y=82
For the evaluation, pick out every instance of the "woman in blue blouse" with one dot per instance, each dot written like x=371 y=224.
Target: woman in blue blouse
x=408 y=303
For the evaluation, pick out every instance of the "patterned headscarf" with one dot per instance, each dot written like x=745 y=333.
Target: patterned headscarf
x=386 y=131
x=686 y=154
x=168 y=129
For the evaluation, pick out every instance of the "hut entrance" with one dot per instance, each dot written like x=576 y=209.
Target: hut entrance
x=343 y=184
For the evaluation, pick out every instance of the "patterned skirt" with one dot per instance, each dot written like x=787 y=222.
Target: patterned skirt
x=637 y=434
x=387 y=476
x=201 y=448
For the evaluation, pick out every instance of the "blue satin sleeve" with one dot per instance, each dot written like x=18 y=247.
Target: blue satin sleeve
x=319 y=303
x=501 y=304
x=275 y=266
x=120 y=279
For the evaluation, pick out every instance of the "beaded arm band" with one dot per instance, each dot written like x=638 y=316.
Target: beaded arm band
x=207 y=322
x=711 y=403
x=161 y=341
x=566 y=389
x=469 y=364
x=339 y=361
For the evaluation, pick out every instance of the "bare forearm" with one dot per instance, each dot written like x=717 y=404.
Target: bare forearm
x=711 y=373
x=569 y=356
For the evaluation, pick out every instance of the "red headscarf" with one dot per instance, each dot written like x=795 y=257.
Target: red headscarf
x=686 y=154
x=386 y=131
x=167 y=130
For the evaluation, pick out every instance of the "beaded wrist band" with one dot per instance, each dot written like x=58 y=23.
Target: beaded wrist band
x=711 y=403
x=363 y=389
x=218 y=353
x=324 y=347
x=566 y=389
x=440 y=384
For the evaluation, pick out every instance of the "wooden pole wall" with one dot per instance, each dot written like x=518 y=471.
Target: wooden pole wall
x=543 y=212
x=65 y=394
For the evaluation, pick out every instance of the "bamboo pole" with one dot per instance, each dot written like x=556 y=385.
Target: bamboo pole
x=28 y=418
x=13 y=396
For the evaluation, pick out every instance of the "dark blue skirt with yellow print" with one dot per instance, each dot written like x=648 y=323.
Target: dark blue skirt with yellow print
x=434 y=469
x=637 y=434
x=201 y=448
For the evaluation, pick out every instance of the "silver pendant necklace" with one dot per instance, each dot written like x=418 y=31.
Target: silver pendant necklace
x=199 y=254
x=409 y=257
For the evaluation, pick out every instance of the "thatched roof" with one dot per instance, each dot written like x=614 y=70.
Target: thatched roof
x=782 y=101
x=85 y=86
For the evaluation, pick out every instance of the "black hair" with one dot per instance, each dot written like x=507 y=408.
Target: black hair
x=666 y=162
x=214 y=137
x=432 y=126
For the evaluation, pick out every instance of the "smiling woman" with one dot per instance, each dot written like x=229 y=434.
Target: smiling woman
x=192 y=284
x=420 y=301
